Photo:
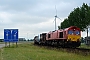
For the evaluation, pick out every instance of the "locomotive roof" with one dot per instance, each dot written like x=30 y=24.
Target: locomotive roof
x=72 y=27
x=55 y=30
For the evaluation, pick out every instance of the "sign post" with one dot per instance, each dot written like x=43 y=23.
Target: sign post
x=10 y=35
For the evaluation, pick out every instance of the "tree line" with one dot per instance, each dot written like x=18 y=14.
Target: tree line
x=79 y=17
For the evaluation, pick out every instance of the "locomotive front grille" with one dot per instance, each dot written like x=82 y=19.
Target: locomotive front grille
x=74 y=38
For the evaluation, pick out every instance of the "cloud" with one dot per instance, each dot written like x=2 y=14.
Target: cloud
x=32 y=17
x=4 y=16
x=28 y=19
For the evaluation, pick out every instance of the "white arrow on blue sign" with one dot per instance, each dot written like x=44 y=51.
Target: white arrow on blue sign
x=10 y=35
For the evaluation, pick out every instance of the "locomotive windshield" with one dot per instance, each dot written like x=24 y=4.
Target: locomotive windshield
x=70 y=32
x=74 y=32
x=77 y=32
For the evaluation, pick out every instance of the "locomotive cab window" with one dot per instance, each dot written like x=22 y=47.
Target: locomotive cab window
x=61 y=35
x=77 y=32
x=48 y=35
x=70 y=32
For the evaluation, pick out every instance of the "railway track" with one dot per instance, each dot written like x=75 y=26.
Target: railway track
x=81 y=51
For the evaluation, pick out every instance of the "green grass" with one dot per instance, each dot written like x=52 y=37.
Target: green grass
x=2 y=42
x=84 y=46
x=28 y=51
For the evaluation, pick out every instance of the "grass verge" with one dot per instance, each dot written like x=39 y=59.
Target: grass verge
x=28 y=51
x=84 y=46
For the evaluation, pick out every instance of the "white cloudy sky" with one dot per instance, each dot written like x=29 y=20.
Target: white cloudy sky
x=32 y=17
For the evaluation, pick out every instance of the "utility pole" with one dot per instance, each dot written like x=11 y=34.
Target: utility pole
x=87 y=32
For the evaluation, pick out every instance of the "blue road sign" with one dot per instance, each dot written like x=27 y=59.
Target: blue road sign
x=10 y=35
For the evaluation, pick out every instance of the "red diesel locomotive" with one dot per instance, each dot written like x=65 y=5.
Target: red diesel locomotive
x=69 y=37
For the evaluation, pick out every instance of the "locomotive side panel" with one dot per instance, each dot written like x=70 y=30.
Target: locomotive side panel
x=55 y=35
x=61 y=35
